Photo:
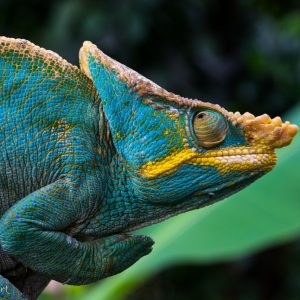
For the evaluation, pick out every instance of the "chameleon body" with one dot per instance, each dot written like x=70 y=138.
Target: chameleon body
x=90 y=154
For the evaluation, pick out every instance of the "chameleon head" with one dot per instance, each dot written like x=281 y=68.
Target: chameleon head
x=180 y=151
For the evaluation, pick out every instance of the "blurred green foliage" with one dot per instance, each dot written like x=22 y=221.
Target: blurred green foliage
x=242 y=54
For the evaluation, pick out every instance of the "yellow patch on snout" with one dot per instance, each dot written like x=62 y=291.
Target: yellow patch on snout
x=226 y=160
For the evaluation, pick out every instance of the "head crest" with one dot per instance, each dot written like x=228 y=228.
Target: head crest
x=262 y=129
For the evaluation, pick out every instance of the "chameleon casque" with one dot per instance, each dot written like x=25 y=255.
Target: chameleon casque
x=90 y=154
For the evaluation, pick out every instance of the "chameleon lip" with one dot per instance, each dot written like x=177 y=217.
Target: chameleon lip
x=233 y=162
x=244 y=157
x=241 y=155
x=234 y=151
x=238 y=158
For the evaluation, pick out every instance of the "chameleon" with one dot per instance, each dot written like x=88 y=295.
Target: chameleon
x=90 y=154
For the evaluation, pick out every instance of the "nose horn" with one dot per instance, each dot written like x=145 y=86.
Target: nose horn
x=266 y=131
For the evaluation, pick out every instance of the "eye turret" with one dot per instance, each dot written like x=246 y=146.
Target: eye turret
x=210 y=128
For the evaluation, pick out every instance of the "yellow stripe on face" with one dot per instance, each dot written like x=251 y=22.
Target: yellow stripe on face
x=226 y=160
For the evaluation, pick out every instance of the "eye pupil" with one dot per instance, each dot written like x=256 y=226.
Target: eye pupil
x=201 y=115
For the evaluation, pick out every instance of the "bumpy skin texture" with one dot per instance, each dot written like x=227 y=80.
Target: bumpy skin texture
x=88 y=156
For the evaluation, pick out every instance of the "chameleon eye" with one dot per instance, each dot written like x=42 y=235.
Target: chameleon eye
x=210 y=128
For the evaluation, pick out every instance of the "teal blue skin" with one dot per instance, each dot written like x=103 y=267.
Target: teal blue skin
x=70 y=183
x=8 y=291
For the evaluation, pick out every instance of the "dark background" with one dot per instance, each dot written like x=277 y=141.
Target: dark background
x=242 y=54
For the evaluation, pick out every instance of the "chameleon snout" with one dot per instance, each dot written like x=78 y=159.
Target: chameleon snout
x=264 y=131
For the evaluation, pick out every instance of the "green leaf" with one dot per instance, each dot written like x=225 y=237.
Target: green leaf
x=264 y=214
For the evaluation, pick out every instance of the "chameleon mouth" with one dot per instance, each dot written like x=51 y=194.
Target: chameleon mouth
x=238 y=159
x=225 y=160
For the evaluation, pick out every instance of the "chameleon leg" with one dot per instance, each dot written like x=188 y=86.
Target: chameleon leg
x=31 y=232
x=8 y=291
